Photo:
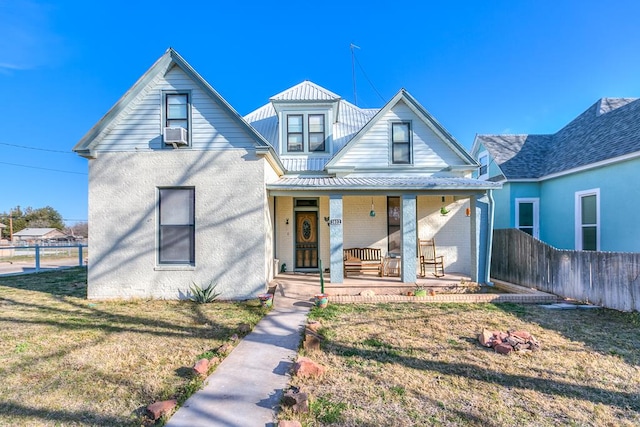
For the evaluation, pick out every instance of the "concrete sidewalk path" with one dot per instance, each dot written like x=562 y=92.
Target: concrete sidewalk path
x=246 y=388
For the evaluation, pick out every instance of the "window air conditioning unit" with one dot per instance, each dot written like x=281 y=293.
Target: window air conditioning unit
x=175 y=136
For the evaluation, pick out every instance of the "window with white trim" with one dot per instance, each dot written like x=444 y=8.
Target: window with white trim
x=588 y=220
x=528 y=216
x=176 y=213
x=401 y=143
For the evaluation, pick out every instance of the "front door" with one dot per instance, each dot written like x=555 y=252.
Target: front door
x=306 y=240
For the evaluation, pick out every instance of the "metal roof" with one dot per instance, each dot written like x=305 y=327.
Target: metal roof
x=608 y=129
x=305 y=91
x=35 y=231
x=382 y=184
x=349 y=121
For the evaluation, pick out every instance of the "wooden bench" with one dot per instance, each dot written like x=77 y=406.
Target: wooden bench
x=361 y=260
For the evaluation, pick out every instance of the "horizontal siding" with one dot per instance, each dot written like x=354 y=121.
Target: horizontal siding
x=372 y=150
x=139 y=126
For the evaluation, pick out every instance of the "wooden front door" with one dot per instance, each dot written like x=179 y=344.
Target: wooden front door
x=306 y=240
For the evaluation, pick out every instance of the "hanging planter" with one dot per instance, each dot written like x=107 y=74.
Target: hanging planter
x=266 y=300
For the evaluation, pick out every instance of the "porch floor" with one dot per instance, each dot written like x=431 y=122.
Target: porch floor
x=390 y=289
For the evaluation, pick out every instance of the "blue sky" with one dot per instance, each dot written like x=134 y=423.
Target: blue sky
x=477 y=66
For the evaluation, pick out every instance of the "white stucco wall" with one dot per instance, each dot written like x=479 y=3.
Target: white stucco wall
x=451 y=232
x=231 y=213
x=362 y=230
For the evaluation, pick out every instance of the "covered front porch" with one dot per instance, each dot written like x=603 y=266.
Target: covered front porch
x=316 y=219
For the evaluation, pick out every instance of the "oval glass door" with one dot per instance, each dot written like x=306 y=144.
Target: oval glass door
x=306 y=240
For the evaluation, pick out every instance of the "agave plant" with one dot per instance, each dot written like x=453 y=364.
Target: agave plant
x=204 y=295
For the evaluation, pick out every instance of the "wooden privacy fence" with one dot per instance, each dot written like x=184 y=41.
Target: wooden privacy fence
x=609 y=279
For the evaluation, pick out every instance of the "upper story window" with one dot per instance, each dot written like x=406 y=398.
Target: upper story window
x=294 y=132
x=483 y=159
x=306 y=133
x=401 y=143
x=177 y=110
x=316 y=132
x=176 y=119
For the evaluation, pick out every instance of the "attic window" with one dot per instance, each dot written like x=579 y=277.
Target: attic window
x=401 y=143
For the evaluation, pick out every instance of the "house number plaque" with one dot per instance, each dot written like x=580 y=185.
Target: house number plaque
x=335 y=222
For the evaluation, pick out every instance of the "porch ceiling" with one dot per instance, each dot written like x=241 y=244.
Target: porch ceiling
x=379 y=184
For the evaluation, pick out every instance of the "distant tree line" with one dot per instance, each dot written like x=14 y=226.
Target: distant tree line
x=46 y=217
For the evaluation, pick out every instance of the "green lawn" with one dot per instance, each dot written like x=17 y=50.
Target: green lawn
x=65 y=360
x=421 y=365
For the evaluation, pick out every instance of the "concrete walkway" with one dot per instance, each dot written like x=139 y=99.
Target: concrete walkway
x=246 y=388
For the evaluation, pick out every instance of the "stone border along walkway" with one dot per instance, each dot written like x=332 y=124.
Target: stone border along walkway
x=517 y=294
x=246 y=388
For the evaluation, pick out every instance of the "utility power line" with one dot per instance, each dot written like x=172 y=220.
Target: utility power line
x=46 y=169
x=36 y=148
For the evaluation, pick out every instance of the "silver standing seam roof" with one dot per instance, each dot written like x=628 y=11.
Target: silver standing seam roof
x=349 y=121
x=608 y=129
x=382 y=184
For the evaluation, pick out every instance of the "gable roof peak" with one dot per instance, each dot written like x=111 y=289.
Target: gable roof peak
x=606 y=105
x=306 y=91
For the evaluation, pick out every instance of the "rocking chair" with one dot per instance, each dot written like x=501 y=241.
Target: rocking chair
x=428 y=257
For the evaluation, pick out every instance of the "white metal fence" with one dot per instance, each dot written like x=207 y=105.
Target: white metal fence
x=46 y=255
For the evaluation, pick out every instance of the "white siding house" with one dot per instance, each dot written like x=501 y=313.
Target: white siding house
x=298 y=180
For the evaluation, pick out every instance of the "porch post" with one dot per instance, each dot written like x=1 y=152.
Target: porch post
x=335 y=237
x=481 y=229
x=409 y=238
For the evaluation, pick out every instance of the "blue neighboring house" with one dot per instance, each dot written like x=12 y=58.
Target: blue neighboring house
x=575 y=189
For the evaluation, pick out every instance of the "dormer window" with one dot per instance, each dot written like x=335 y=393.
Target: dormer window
x=294 y=132
x=306 y=139
x=401 y=143
x=316 y=132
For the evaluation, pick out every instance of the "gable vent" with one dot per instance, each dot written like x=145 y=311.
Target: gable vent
x=175 y=136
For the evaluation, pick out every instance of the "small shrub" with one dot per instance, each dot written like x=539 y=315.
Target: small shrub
x=204 y=295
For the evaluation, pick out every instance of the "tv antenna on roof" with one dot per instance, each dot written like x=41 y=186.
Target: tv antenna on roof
x=353 y=72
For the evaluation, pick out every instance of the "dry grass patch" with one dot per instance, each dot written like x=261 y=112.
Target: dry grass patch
x=420 y=364
x=65 y=360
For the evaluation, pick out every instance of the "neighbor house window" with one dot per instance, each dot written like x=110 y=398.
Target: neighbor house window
x=527 y=216
x=401 y=143
x=484 y=166
x=177 y=110
x=177 y=226
x=588 y=220
x=294 y=132
x=316 y=132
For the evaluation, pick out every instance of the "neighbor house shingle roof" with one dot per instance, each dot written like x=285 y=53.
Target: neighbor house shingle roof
x=608 y=129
